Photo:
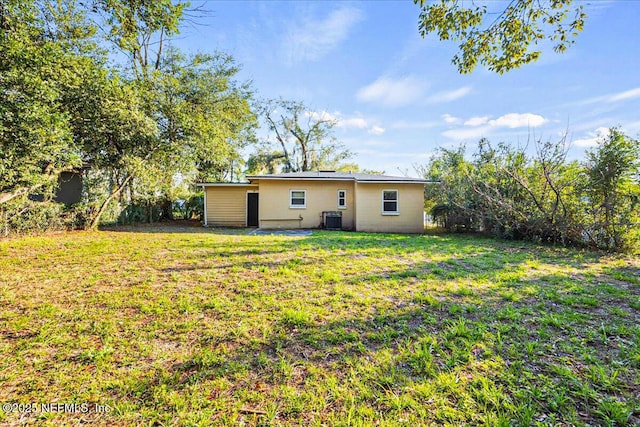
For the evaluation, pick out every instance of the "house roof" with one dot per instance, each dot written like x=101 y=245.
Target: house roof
x=337 y=176
x=225 y=184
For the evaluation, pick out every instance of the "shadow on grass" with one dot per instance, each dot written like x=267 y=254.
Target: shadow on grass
x=463 y=244
x=336 y=328
x=514 y=352
x=177 y=226
x=421 y=362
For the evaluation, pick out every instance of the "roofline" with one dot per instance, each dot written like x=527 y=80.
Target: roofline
x=225 y=184
x=293 y=178
x=417 y=181
x=311 y=178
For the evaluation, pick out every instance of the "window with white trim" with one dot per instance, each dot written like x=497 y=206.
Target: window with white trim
x=298 y=199
x=342 y=199
x=389 y=202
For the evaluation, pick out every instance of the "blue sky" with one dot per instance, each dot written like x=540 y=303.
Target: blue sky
x=397 y=97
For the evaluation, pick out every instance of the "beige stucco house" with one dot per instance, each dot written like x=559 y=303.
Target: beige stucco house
x=323 y=199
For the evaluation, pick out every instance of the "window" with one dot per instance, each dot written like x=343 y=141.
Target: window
x=342 y=199
x=389 y=202
x=298 y=199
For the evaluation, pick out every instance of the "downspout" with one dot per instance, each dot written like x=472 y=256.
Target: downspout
x=204 y=200
x=355 y=205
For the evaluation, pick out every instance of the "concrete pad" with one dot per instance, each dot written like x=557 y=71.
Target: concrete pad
x=273 y=232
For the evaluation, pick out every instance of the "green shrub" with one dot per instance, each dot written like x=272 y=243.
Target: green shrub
x=27 y=216
x=24 y=216
x=194 y=207
x=508 y=193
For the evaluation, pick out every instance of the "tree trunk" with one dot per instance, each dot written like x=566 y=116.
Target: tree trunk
x=5 y=197
x=167 y=210
x=103 y=207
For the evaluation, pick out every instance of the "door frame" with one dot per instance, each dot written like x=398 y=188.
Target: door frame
x=246 y=211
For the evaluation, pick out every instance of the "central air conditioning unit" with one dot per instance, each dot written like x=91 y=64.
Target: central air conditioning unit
x=332 y=220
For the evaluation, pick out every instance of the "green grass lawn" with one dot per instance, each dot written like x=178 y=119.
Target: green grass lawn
x=187 y=326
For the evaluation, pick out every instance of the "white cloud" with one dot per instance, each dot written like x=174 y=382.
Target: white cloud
x=516 y=120
x=393 y=93
x=346 y=122
x=353 y=122
x=481 y=126
x=404 y=91
x=593 y=137
x=613 y=97
x=476 y=121
x=448 y=96
x=376 y=130
x=321 y=115
x=448 y=118
x=313 y=39
x=629 y=94
x=358 y=123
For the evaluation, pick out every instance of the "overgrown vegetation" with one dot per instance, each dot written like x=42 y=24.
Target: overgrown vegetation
x=185 y=326
x=141 y=126
x=141 y=130
x=507 y=193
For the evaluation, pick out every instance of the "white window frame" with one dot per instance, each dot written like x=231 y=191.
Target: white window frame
x=343 y=206
x=397 y=211
x=291 y=205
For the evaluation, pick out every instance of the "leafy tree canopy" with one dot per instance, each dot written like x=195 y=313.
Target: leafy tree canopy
x=49 y=67
x=503 y=40
x=613 y=189
x=505 y=192
x=299 y=140
x=140 y=29
x=63 y=106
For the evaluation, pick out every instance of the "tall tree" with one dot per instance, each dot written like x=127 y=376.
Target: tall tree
x=450 y=199
x=299 y=139
x=613 y=188
x=164 y=115
x=201 y=115
x=542 y=197
x=200 y=118
x=524 y=197
x=510 y=39
x=141 y=29
x=48 y=66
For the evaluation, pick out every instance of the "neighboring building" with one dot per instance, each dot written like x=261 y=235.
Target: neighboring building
x=323 y=199
x=69 y=189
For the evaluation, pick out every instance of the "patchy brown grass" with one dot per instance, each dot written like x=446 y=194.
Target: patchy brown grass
x=187 y=326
